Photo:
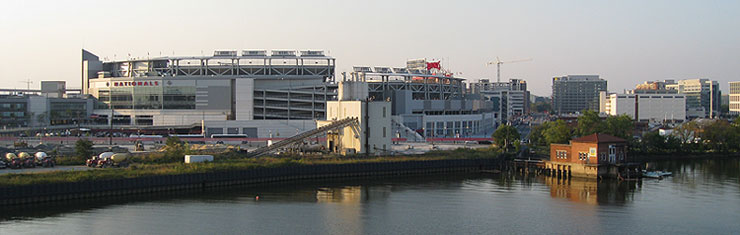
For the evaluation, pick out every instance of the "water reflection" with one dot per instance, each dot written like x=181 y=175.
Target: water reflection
x=593 y=192
x=351 y=194
x=584 y=191
x=367 y=204
x=710 y=169
x=353 y=191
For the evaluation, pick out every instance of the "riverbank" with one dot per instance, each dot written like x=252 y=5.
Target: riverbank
x=56 y=186
x=448 y=203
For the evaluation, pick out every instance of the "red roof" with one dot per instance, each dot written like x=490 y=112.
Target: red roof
x=599 y=138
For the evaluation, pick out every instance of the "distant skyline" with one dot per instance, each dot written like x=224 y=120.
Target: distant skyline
x=625 y=42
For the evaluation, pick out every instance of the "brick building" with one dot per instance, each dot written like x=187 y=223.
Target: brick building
x=589 y=156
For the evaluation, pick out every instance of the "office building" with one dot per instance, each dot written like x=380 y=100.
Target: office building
x=654 y=85
x=32 y=110
x=702 y=96
x=645 y=105
x=509 y=99
x=734 y=98
x=575 y=93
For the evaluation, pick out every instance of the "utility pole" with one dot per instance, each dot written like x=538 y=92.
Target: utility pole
x=28 y=83
x=110 y=127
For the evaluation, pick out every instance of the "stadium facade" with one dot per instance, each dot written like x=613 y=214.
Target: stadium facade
x=172 y=91
x=262 y=93
x=428 y=101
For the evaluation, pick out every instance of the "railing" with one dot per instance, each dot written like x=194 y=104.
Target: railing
x=302 y=136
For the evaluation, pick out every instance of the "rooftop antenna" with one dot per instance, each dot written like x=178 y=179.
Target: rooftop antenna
x=28 y=83
x=498 y=64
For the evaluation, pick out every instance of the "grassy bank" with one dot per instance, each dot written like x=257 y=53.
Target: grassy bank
x=226 y=163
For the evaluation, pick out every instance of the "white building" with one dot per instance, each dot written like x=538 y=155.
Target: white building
x=653 y=107
x=734 y=98
x=510 y=99
x=374 y=132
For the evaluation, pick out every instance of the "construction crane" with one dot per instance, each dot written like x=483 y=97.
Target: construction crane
x=498 y=64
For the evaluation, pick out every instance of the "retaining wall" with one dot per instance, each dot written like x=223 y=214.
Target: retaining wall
x=105 y=188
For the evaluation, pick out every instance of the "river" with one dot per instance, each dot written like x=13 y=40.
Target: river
x=703 y=197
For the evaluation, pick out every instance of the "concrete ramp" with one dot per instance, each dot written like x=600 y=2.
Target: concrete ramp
x=336 y=125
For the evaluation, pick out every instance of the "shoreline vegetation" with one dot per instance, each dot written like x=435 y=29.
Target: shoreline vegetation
x=702 y=137
x=694 y=139
x=225 y=162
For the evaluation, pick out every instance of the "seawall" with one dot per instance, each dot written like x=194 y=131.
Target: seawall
x=26 y=194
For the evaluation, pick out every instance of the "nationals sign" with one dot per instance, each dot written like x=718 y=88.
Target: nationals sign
x=131 y=84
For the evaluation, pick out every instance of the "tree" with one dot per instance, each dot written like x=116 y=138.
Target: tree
x=505 y=135
x=536 y=136
x=620 y=126
x=652 y=142
x=175 y=149
x=686 y=132
x=588 y=123
x=673 y=144
x=83 y=148
x=557 y=132
x=719 y=136
x=541 y=107
x=173 y=142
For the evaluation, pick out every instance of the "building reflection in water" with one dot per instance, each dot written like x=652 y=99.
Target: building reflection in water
x=348 y=194
x=351 y=194
x=348 y=212
x=592 y=192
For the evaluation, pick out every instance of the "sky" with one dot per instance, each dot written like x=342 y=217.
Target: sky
x=626 y=42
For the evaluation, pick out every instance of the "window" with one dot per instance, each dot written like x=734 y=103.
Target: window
x=384 y=132
x=562 y=154
x=582 y=156
x=384 y=114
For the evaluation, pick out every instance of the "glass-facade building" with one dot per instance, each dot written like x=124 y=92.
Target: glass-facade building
x=576 y=93
x=13 y=112
x=35 y=110
x=703 y=95
x=149 y=98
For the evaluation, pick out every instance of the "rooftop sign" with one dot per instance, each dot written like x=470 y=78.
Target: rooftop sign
x=134 y=84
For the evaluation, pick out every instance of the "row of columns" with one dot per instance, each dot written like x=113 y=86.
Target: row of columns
x=560 y=171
